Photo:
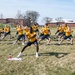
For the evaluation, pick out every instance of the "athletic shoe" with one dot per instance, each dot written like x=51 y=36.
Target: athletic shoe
x=14 y=43
x=36 y=55
x=19 y=55
x=22 y=43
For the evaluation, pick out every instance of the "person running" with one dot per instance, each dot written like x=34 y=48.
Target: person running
x=68 y=35
x=41 y=32
x=17 y=30
x=20 y=35
x=35 y=28
x=7 y=32
x=31 y=35
x=46 y=34
x=26 y=29
x=59 y=32
x=64 y=27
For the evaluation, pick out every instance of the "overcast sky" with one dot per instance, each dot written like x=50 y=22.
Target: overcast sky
x=46 y=8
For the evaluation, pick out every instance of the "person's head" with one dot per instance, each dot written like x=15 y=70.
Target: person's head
x=69 y=28
x=35 y=24
x=26 y=27
x=19 y=26
x=31 y=29
x=46 y=24
x=65 y=25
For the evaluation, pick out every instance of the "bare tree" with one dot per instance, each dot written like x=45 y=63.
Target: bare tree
x=59 y=19
x=1 y=16
x=47 y=19
x=31 y=17
x=26 y=21
x=19 y=16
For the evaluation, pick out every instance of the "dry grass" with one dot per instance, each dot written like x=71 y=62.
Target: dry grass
x=53 y=59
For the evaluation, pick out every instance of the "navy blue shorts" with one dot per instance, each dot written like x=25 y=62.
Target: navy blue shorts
x=68 y=37
x=45 y=37
x=5 y=34
x=41 y=34
x=21 y=36
x=30 y=43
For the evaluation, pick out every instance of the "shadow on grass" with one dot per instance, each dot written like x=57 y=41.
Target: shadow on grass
x=56 y=54
x=63 y=44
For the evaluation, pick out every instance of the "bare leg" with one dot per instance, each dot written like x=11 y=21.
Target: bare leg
x=48 y=41
x=24 y=48
x=71 y=41
x=20 y=54
x=61 y=41
x=37 y=49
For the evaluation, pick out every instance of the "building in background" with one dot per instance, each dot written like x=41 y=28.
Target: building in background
x=11 y=21
x=69 y=22
x=53 y=23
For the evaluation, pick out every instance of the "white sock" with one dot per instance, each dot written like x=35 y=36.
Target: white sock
x=22 y=43
x=59 y=43
x=71 y=42
x=19 y=55
x=36 y=54
x=14 y=43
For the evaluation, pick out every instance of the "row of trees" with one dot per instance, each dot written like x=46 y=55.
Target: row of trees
x=49 y=20
x=31 y=17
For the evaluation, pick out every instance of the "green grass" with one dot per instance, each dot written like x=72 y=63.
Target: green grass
x=53 y=59
x=2 y=25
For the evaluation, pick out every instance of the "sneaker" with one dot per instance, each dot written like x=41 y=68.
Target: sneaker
x=19 y=55
x=14 y=43
x=36 y=55
x=59 y=44
x=22 y=43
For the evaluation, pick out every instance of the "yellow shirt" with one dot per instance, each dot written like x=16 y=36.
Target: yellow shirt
x=25 y=29
x=68 y=32
x=30 y=36
x=6 y=29
x=35 y=27
x=42 y=29
x=65 y=28
x=60 y=29
x=17 y=28
x=46 y=31
x=20 y=31
x=1 y=30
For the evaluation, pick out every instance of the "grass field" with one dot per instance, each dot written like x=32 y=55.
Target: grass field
x=53 y=59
